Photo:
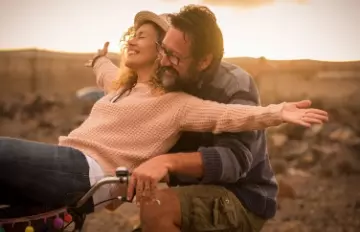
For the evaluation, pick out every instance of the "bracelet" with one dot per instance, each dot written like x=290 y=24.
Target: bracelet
x=94 y=60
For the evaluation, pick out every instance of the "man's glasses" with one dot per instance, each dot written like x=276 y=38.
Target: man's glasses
x=165 y=52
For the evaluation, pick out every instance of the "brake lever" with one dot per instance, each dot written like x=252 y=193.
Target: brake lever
x=121 y=172
x=124 y=172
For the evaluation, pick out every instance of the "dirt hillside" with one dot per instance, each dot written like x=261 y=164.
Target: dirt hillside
x=317 y=169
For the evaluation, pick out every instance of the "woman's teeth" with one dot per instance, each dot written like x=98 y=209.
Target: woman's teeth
x=132 y=52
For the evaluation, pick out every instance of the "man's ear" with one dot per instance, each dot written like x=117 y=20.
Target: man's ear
x=205 y=62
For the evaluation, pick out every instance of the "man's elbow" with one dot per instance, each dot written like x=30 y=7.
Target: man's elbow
x=228 y=168
x=233 y=169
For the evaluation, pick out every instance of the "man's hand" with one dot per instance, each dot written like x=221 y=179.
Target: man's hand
x=145 y=177
x=100 y=52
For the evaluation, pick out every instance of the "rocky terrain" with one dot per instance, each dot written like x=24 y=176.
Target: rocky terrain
x=318 y=169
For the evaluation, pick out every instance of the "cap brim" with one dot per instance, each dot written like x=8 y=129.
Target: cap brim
x=144 y=16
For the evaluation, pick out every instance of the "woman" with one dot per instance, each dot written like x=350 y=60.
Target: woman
x=134 y=121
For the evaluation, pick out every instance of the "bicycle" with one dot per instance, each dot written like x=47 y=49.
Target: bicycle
x=121 y=176
x=78 y=217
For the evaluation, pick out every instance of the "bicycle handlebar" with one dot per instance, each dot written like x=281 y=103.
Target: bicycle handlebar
x=121 y=176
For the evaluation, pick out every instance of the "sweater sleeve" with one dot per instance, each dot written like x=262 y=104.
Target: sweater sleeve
x=208 y=116
x=105 y=72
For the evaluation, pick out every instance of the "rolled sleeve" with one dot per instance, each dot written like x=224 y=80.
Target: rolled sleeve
x=212 y=164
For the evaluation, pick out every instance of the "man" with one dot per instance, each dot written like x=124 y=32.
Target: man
x=227 y=181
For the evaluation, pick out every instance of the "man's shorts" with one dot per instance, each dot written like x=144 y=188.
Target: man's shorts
x=214 y=208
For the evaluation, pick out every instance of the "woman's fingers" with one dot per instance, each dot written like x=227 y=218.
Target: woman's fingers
x=306 y=117
x=302 y=123
x=105 y=48
x=312 y=120
x=317 y=116
x=106 y=45
x=314 y=117
x=302 y=104
x=317 y=111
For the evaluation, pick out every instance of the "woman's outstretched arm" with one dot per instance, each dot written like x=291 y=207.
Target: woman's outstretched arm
x=202 y=116
x=105 y=71
x=103 y=68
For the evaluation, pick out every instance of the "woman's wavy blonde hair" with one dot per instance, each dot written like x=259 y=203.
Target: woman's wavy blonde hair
x=127 y=78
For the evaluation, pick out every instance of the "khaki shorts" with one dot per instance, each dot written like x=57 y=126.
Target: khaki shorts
x=214 y=208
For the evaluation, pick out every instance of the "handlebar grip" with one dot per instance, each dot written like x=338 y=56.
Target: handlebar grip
x=123 y=172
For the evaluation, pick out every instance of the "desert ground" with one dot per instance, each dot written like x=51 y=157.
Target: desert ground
x=318 y=169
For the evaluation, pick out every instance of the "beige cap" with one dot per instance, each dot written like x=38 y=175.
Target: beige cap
x=161 y=20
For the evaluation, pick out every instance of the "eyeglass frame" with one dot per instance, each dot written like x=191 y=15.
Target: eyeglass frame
x=174 y=60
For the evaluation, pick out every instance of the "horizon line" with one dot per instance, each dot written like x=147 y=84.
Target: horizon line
x=114 y=53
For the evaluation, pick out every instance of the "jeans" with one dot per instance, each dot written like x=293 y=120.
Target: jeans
x=42 y=176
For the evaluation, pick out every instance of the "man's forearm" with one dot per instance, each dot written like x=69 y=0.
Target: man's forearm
x=189 y=164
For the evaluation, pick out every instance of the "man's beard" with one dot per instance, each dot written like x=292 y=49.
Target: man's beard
x=171 y=80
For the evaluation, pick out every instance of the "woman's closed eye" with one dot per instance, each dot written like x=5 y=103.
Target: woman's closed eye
x=140 y=37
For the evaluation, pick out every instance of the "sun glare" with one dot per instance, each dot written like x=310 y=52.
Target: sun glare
x=318 y=29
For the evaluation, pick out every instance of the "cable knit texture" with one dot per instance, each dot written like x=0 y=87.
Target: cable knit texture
x=140 y=125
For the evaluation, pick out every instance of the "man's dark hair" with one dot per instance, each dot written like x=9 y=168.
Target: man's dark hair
x=200 y=25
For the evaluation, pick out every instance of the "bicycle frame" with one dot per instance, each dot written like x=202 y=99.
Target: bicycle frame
x=121 y=176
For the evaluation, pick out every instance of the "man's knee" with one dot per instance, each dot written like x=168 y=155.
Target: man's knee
x=209 y=207
x=164 y=205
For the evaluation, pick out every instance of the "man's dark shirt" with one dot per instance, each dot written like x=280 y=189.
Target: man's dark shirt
x=237 y=161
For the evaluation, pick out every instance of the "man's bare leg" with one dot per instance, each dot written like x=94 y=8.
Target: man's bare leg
x=163 y=213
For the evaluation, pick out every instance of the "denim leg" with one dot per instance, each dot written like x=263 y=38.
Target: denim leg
x=42 y=174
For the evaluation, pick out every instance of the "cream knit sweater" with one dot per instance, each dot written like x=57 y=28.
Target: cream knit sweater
x=140 y=125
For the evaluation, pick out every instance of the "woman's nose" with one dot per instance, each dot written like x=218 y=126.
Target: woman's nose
x=132 y=41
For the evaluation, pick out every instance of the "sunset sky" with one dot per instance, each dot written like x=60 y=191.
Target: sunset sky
x=276 y=29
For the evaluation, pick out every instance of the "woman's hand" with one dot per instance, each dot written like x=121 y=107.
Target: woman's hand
x=300 y=113
x=100 y=53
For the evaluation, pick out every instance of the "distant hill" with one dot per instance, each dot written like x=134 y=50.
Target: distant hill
x=293 y=65
x=61 y=73
x=252 y=65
